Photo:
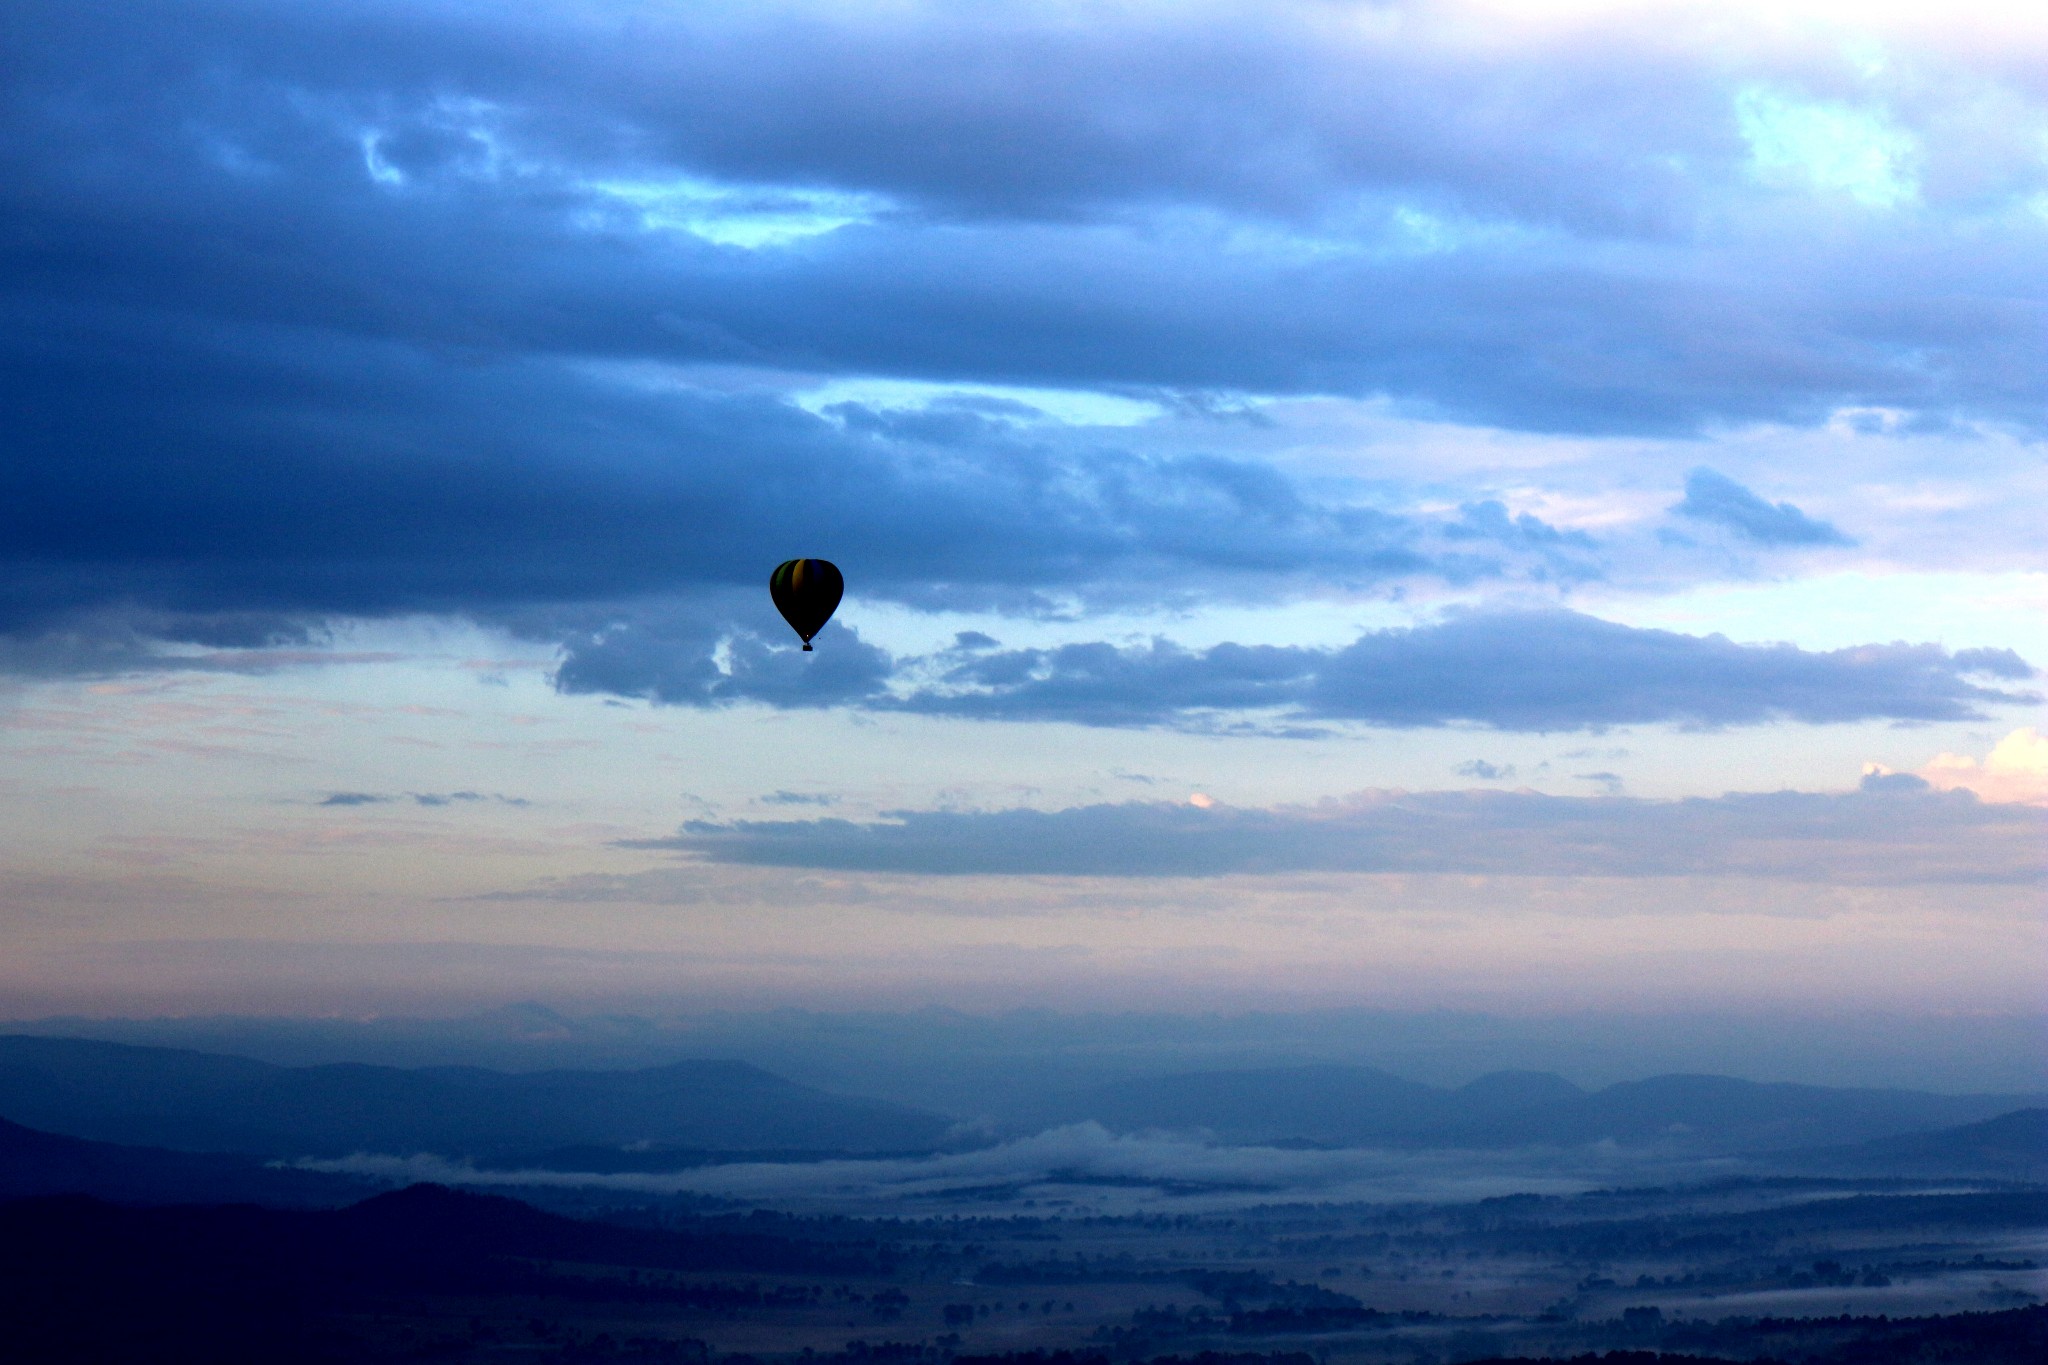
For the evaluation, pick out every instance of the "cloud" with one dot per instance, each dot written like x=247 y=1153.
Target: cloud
x=429 y=799
x=1881 y=835
x=282 y=477
x=1877 y=779
x=1718 y=499
x=374 y=309
x=1533 y=671
x=2016 y=769
x=1485 y=771
x=119 y=641
x=685 y=659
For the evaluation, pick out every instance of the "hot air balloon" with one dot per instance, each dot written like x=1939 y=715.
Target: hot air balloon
x=806 y=592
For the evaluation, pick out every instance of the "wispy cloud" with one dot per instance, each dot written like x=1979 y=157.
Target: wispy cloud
x=1719 y=499
x=429 y=799
x=1532 y=671
x=1879 y=835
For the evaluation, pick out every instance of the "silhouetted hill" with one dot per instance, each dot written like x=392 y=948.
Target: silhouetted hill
x=1726 y=1114
x=1512 y=1092
x=2011 y=1147
x=36 y=1163
x=86 y=1281
x=1348 y=1104
x=199 y=1102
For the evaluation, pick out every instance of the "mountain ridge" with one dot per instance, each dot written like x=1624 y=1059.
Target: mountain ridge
x=193 y=1101
x=1364 y=1106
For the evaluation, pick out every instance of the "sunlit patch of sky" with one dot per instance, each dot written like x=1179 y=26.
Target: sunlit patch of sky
x=1373 y=227
x=1960 y=22
x=1078 y=409
x=1842 y=610
x=1828 y=148
x=1074 y=407
x=756 y=217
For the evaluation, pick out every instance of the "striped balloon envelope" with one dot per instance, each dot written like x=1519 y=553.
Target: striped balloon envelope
x=806 y=592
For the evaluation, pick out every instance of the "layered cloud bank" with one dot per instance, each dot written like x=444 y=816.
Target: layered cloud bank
x=363 y=309
x=1880 y=835
x=1533 y=671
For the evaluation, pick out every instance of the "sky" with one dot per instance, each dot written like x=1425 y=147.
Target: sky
x=1524 y=507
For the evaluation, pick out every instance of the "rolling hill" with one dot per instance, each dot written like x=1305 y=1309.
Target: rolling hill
x=2009 y=1147
x=1361 y=1106
x=199 y=1102
x=34 y=1164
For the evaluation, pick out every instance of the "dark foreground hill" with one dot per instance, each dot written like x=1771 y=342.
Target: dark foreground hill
x=428 y=1273
x=2010 y=1147
x=2017 y=1337
x=84 y=1281
x=1353 y=1105
x=34 y=1163
x=194 y=1101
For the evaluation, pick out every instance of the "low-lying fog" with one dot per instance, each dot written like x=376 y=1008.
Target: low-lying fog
x=1084 y=1168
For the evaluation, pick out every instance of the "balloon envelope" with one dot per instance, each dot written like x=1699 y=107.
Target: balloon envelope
x=806 y=592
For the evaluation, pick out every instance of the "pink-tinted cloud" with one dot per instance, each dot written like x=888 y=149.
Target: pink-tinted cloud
x=2015 y=770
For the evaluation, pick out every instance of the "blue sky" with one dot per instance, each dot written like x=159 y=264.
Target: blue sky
x=1526 y=505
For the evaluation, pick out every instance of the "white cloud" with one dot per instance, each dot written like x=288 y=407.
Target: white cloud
x=2015 y=770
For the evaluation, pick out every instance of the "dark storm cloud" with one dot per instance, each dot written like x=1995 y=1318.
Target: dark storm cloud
x=342 y=310
x=1881 y=836
x=1719 y=499
x=1533 y=671
x=241 y=470
x=434 y=174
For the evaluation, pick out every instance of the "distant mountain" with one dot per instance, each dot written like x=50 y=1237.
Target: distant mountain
x=193 y=1101
x=1512 y=1092
x=1330 y=1104
x=1359 y=1105
x=1724 y=1114
x=2010 y=1147
x=34 y=1163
